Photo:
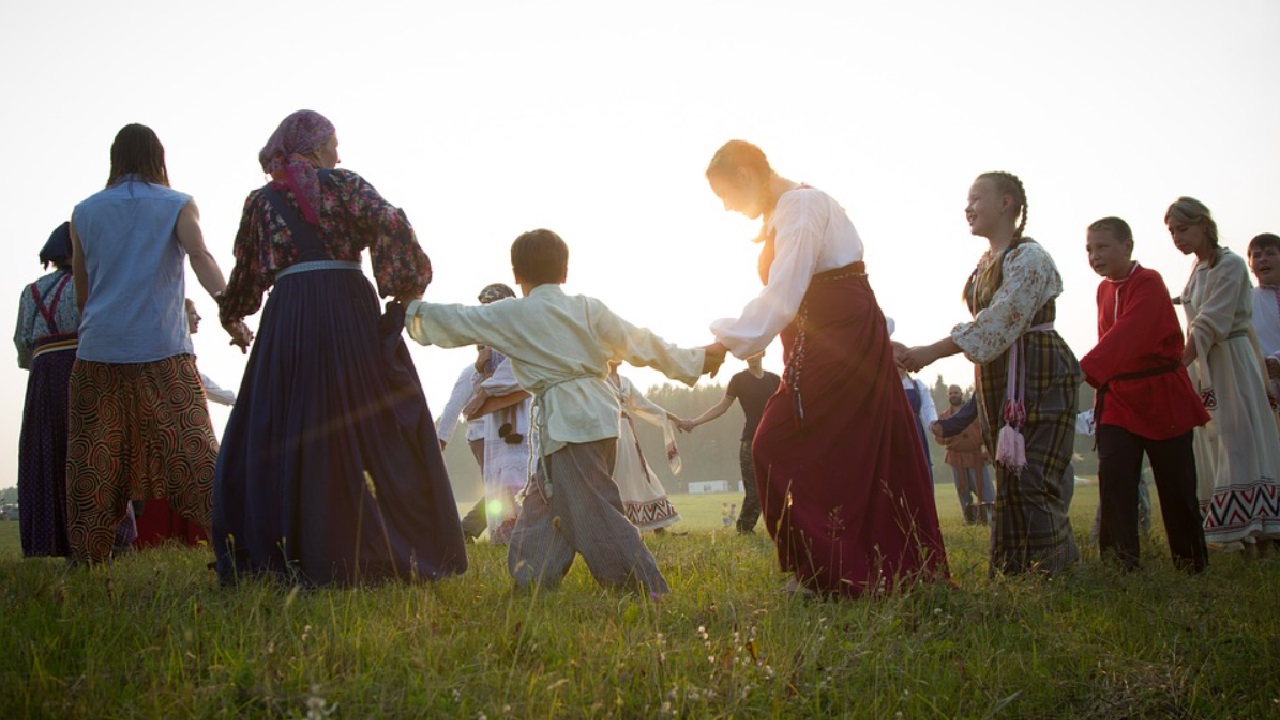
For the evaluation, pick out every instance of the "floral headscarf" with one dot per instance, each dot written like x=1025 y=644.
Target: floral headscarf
x=286 y=158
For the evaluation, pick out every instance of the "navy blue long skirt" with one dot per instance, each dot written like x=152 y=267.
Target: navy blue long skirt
x=330 y=470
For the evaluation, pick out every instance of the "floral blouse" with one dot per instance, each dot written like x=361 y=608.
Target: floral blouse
x=1030 y=281
x=353 y=216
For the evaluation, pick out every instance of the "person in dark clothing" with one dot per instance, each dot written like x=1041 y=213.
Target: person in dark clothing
x=752 y=388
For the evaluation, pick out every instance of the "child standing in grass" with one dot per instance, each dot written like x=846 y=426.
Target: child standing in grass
x=1026 y=380
x=1237 y=454
x=1145 y=402
x=559 y=346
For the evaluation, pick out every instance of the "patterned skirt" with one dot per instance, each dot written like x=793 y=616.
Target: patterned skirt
x=136 y=431
x=1237 y=452
x=1031 y=529
x=42 y=460
x=644 y=499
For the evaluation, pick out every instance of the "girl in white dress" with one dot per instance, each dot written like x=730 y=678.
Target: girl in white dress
x=644 y=499
x=1238 y=451
x=508 y=444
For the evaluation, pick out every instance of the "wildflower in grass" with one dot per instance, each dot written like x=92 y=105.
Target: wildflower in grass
x=317 y=707
x=835 y=522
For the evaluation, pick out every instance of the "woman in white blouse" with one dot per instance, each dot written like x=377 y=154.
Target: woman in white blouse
x=845 y=491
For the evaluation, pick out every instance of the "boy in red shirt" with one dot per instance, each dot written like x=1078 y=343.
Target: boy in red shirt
x=1145 y=402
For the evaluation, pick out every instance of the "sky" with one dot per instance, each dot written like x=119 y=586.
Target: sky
x=483 y=120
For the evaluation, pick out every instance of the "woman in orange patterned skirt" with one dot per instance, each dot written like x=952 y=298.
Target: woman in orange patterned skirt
x=138 y=425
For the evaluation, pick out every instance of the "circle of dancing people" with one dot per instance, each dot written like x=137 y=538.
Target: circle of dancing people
x=330 y=470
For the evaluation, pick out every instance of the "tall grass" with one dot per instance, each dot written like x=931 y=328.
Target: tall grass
x=152 y=635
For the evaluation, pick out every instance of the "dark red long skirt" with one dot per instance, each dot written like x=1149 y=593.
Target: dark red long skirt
x=159 y=524
x=845 y=490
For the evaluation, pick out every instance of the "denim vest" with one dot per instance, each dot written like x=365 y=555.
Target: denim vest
x=137 y=282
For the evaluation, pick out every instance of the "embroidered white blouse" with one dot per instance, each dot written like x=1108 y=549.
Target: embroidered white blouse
x=813 y=235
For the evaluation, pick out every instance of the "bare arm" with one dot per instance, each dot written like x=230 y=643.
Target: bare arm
x=206 y=268
x=192 y=240
x=917 y=358
x=712 y=413
x=79 y=274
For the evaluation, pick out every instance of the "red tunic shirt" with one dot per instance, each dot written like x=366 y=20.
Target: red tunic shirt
x=1137 y=331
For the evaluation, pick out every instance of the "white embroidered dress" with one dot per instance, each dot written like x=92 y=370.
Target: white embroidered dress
x=644 y=499
x=1238 y=451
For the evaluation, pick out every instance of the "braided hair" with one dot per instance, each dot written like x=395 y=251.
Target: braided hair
x=982 y=285
x=1007 y=183
x=740 y=154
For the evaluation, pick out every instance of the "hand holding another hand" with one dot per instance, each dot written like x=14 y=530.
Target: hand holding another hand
x=241 y=335
x=914 y=359
x=715 y=353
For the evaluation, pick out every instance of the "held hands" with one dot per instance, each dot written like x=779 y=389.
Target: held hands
x=936 y=428
x=240 y=334
x=1189 y=355
x=715 y=353
x=685 y=426
x=914 y=359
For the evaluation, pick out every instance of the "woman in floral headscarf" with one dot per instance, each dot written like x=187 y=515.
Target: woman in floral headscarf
x=330 y=471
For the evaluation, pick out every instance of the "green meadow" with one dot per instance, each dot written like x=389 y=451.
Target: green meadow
x=153 y=636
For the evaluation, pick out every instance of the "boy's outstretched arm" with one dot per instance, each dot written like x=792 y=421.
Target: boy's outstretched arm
x=642 y=348
x=452 y=326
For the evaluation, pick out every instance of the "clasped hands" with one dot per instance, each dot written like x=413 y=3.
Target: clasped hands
x=241 y=335
x=914 y=359
x=715 y=353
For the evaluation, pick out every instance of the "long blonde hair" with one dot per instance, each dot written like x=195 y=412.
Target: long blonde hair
x=1190 y=211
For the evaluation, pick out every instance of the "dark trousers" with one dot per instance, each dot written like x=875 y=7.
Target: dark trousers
x=1119 y=471
x=751 y=500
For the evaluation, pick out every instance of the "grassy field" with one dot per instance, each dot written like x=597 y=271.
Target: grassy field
x=154 y=636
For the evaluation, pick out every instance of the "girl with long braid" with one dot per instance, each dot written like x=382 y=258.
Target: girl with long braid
x=846 y=493
x=1026 y=380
